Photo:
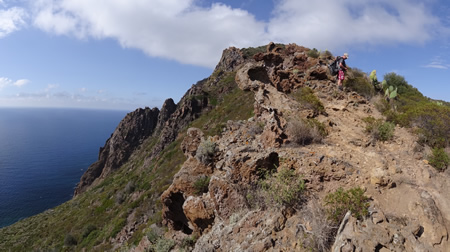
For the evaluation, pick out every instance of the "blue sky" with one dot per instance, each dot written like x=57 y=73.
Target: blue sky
x=125 y=54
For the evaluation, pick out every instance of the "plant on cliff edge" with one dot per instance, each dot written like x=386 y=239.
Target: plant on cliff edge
x=313 y=53
x=206 y=151
x=201 y=185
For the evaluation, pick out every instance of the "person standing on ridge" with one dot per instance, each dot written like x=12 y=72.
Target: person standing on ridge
x=342 y=68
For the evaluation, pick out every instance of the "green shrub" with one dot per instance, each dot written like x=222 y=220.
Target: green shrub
x=252 y=51
x=432 y=121
x=284 y=187
x=357 y=81
x=189 y=242
x=439 y=159
x=386 y=131
x=206 y=150
x=152 y=236
x=306 y=97
x=412 y=109
x=320 y=127
x=91 y=238
x=164 y=245
x=88 y=230
x=201 y=185
x=338 y=203
x=379 y=129
x=313 y=53
x=70 y=240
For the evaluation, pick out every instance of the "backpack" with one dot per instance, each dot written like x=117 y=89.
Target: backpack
x=334 y=66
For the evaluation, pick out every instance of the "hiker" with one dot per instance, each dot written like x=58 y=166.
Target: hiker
x=342 y=68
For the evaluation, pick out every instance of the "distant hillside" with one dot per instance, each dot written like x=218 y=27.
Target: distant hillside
x=266 y=154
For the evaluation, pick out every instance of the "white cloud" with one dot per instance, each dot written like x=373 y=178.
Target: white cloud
x=176 y=29
x=438 y=62
x=436 y=65
x=5 y=82
x=337 y=24
x=181 y=30
x=11 y=20
x=20 y=83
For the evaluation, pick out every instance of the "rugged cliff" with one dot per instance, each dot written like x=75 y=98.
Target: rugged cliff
x=251 y=159
x=408 y=209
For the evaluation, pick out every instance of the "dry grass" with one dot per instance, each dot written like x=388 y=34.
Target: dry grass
x=302 y=133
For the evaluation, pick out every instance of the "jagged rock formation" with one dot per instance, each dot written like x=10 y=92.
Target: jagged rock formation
x=409 y=207
x=129 y=134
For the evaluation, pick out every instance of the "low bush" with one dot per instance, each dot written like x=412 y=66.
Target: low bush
x=251 y=51
x=201 y=185
x=189 y=242
x=306 y=97
x=205 y=151
x=439 y=159
x=338 y=203
x=284 y=188
x=431 y=120
x=164 y=245
x=304 y=132
x=88 y=230
x=358 y=82
x=313 y=53
x=70 y=240
x=320 y=236
x=379 y=129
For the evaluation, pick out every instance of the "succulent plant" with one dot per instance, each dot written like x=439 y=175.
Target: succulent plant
x=391 y=93
x=373 y=77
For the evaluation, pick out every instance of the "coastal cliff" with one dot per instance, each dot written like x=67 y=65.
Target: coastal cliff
x=260 y=156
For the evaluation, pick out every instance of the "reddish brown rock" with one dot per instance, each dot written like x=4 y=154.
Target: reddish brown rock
x=199 y=212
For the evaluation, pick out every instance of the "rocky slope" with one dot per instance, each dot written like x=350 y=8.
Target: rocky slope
x=409 y=206
x=198 y=168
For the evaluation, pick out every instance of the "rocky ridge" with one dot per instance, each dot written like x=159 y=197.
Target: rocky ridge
x=409 y=209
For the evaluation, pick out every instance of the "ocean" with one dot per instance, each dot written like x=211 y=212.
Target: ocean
x=44 y=152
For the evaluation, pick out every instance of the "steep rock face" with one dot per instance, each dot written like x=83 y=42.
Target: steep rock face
x=129 y=134
x=231 y=58
x=167 y=110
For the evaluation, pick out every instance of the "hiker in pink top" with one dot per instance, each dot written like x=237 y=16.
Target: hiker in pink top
x=342 y=68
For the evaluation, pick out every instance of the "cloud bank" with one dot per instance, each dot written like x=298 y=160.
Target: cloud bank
x=183 y=31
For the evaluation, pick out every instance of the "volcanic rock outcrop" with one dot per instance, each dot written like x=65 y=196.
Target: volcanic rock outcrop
x=409 y=207
x=131 y=131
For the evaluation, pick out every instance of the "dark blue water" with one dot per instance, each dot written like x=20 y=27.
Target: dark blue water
x=44 y=152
